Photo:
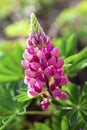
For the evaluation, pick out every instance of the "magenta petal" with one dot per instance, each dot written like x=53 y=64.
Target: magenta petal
x=45 y=104
x=39 y=76
x=31 y=50
x=63 y=81
x=39 y=83
x=48 y=55
x=37 y=88
x=63 y=95
x=52 y=61
x=52 y=87
x=56 y=93
x=47 y=72
x=58 y=74
x=60 y=63
x=49 y=47
x=32 y=93
x=55 y=52
x=40 y=54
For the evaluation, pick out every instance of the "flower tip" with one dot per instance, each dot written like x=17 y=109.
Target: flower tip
x=34 y=24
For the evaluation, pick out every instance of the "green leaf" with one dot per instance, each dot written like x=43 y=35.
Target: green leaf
x=73 y=92
x=82 y=55
x=10 y=64
x=22 y=97
x=84 y=115
x=71 y=45
x=83 y=96
x=78 y=61
x=73 y=117
x=84 y=90
x=64 y=123
x=60 y=113
x=60 y=43
x=10 y=119
x=41 y=126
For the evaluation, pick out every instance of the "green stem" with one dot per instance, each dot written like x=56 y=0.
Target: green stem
x=44 y=113
x=11 y=118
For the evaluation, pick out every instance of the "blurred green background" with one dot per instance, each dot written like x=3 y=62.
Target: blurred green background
x=65 y=21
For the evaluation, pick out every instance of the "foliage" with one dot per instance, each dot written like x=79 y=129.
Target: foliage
x=74 y=62
x=15 y=105
x=73 y=20
x=69 y=114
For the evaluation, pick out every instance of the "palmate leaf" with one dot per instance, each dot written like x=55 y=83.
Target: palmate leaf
x=22 y=97
x=77 y=61
x=75 y=104
x=10 y=64
x=67 y=47
x=8 y=121
x=73 y=117
x=10 y=108
x=71 y=44
x=41 y=126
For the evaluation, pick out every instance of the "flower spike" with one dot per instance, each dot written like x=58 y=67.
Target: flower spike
x=43 y=66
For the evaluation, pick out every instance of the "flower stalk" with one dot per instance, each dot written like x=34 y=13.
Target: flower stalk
x=43 y=66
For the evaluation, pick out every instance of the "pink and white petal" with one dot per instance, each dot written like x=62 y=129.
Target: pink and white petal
x=35 y=65
x=25 y=64
x=30 y=73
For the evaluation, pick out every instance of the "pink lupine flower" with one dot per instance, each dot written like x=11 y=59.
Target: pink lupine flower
x=43 y=67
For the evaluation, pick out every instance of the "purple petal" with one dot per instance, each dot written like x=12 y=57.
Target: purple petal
x=29 y=42
x=41 y=40
x=34 y=41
